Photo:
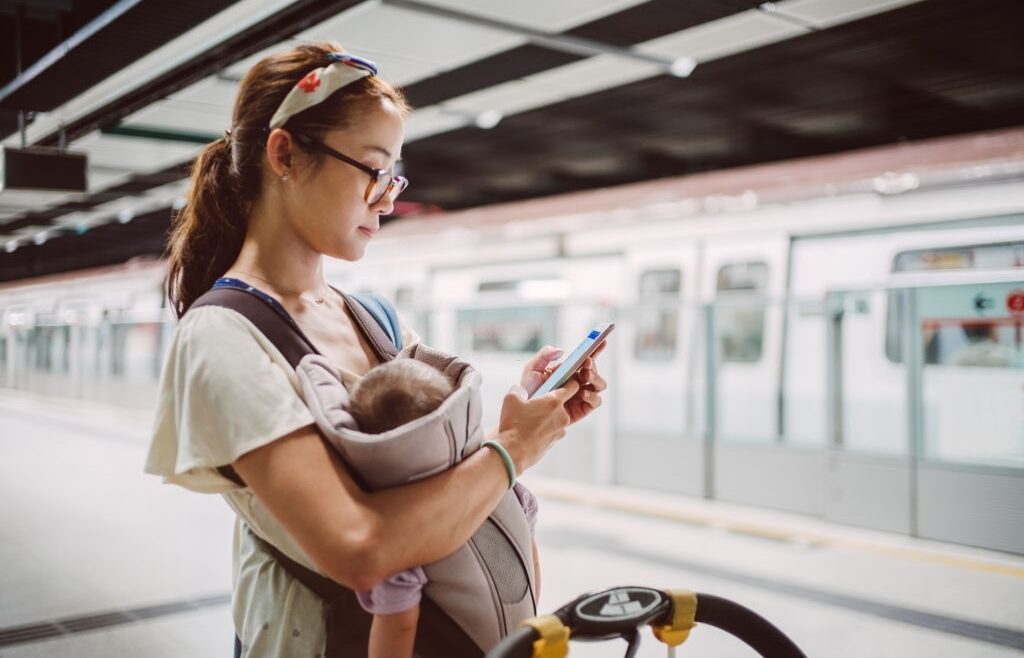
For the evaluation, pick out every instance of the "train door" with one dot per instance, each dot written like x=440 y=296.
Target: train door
x=745 y=281
x=925 y=385
x=657 y=444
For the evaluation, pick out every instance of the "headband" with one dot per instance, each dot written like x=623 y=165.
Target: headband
x=320 y=83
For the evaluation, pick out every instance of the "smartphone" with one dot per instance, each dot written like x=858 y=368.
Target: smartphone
x=570 y=364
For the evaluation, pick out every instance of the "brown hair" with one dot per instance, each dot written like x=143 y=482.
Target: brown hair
x=397 y=392
x=206 y=235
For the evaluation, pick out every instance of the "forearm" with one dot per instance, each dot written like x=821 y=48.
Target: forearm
x=426 y=520
x=359 y=538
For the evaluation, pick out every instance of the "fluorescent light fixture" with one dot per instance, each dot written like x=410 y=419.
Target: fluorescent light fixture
x=488 y=119
x=892 y=183
x=682 y=67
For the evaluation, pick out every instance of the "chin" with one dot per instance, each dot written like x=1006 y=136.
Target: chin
x=349 y=252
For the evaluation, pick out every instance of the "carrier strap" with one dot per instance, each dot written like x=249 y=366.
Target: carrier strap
x=347 y=624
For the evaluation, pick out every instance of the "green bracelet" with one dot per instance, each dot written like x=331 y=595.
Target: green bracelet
x=509 y=466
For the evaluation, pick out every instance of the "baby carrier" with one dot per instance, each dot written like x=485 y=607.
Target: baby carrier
x=478 y=594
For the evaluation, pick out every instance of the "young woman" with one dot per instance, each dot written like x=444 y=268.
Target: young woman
x=306 y=170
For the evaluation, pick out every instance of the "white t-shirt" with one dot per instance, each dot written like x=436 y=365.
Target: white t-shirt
x=226 y=390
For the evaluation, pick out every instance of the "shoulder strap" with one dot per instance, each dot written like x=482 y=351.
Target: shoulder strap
x=372 y=328
x=279 y=328
x=384 y=313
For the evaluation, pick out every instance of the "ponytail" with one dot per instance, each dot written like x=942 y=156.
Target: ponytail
x=207 y=234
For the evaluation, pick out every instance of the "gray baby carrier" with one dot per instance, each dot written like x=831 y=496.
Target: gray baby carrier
x=476 y=595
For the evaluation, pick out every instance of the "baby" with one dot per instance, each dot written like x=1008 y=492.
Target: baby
x=388 y=396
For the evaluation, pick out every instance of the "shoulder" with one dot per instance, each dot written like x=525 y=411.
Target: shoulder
x=216 y=333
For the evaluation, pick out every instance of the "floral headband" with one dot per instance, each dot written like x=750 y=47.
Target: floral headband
x=320 y=83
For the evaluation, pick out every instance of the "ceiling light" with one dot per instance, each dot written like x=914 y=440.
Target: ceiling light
x=11 y=246
x=40 y=238
x=893 y=183
x=126 y=215
x=488 y=119
x=682 y=67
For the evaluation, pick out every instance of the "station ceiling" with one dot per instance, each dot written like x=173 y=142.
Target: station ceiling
x=584 y=93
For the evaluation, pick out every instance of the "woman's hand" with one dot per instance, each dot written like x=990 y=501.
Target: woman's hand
x=527 y=428
x=588 y=398
x=591 y=383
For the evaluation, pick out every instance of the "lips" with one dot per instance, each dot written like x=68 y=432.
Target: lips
x=368 y=232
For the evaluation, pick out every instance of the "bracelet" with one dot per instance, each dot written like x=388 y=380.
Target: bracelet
x=505 y=457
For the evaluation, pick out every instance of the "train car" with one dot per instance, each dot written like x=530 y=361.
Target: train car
x=809 y=276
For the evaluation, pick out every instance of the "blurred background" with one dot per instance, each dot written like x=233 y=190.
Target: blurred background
x=805 y=217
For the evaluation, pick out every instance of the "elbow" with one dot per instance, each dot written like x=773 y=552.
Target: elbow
x=356 y=563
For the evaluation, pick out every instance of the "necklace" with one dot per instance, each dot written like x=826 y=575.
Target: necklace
x=320 y=301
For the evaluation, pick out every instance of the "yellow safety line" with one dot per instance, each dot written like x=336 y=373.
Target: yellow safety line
x=660 y=511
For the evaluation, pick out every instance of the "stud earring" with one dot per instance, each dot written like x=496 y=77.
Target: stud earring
x=284 y=176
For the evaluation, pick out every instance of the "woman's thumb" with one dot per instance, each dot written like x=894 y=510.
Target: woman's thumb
x=518 y=391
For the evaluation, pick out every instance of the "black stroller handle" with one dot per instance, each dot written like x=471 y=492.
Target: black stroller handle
x=622 y=611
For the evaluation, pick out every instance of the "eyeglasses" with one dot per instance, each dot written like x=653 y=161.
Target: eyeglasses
x=382 y=182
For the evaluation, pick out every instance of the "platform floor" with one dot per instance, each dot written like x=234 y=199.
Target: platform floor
x=99 y=559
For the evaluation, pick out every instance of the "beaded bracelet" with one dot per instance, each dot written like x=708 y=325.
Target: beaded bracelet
x=509 y=466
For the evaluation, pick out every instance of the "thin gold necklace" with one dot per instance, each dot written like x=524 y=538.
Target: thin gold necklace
x=316 y=300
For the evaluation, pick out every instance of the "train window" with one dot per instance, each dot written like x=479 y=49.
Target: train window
x=657 y=316
x=974 y=343
x=520 y=329
x=944 y=341
x=498 y=286
x=741 y=325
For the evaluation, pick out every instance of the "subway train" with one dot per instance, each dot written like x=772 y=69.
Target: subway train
x=866 y=363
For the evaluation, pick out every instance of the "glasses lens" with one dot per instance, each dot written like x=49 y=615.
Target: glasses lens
x=379 y=188
x=386 y=185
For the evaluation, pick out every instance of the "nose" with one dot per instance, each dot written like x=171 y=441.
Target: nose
x=385 y=206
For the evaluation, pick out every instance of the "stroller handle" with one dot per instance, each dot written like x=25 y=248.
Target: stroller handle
x=621 y=611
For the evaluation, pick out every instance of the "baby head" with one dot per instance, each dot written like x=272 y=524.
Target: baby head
x=395 y=393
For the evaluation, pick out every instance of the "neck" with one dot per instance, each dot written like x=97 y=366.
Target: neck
x=275 y=255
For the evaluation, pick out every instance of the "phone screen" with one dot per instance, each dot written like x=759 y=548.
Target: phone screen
x=574 y=360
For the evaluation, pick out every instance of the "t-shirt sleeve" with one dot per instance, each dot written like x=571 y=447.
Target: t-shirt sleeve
x=397 y=593
x=529 y=503
x=224 y=391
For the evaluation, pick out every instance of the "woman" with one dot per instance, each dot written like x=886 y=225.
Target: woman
x=305 y=171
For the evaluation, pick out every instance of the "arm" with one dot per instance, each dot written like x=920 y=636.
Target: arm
x=393 y=636
x=358 y=538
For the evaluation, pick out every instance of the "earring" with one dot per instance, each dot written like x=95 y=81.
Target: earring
x=284 y=176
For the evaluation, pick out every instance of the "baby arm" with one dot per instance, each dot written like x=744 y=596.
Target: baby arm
x=395 y=605
x=393 y=636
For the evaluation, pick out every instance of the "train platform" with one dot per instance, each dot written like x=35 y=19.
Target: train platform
x=100 y=559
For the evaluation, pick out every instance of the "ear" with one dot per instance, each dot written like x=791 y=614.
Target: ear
x=279 y=151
